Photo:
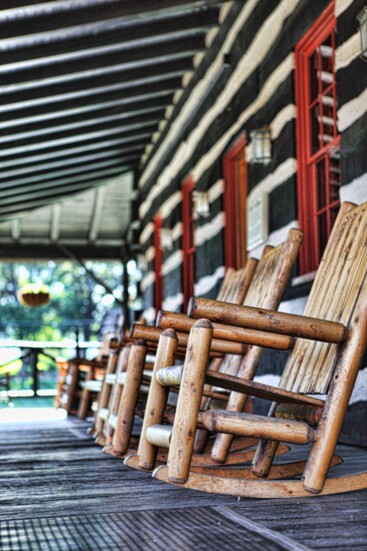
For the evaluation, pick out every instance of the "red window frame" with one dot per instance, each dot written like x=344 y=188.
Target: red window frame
x=188 y=247
x=318 y=141
x=158 y=262
x=235 y=205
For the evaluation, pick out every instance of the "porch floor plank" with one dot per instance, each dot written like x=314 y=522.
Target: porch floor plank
x=59 y=491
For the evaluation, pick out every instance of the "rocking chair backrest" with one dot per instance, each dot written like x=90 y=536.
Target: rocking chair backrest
x=334 y=297
x=267 y=286
x=236 y=283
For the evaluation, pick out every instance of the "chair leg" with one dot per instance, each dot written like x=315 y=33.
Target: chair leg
x=129 y=398
x=106 y=391
x=72 y=386
x=85 y=398
x=188 y=405
x=157 y=398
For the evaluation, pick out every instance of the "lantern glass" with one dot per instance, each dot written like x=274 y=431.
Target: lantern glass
x=261 y=146
x=362 y=18
x=201 y=204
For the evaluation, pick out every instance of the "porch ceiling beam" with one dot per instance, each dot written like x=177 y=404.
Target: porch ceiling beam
x=59 y=179
x=105 y=33
x=16 y=15
x=114 y=54
x=30 y=160
x=8 y=212
x=34 y=114
x=8 y=175
x=65 y=74
x=96 y=218
x=67 y=241
x=142 y=128
x=154 y=109
x=40 y=250
x=97 y=84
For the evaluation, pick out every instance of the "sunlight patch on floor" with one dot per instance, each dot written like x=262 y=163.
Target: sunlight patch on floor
x=15 y=415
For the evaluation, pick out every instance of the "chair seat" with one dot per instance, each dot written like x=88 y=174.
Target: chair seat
x=111 y=378
x=260 y=390
x=103 y=413
x=92 y=386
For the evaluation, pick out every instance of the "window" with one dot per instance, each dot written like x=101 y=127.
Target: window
x=318 y=141
x=235 y=197
x=158 y=263
x=188 y=241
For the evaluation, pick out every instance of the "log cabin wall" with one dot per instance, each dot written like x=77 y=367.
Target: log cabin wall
x=246 y=81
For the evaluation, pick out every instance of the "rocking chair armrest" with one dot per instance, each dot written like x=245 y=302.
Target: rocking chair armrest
x=181 y=322
x=89 y=363
x=260 y=390
x=272 y=321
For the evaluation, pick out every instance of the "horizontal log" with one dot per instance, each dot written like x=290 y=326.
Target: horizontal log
x=181 y=322
x=169 y=376
x=259 y=390
x=152 y=334
x=159 y=435
x=257 y=426
x=268 y=320
x=309 y=414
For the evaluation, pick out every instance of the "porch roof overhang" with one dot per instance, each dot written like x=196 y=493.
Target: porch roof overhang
x=85 y=88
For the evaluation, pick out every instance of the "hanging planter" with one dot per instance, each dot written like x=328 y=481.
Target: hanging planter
x=34 y=295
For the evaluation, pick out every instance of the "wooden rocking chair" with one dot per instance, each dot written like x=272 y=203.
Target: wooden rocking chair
x=137 y=379
x=331 y=339
x=266 y=290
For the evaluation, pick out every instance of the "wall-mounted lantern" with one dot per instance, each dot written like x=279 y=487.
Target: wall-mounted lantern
x=201 y=204
x=261 y=146
x=166 y=239
x=142 y=262
x=362 y=18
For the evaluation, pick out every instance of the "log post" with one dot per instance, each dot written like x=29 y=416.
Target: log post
x=336 y=404
x=129 y=398
x=117 y=391
x=85 y=398
x=268 y=320
x=106 y=390
x=188 y=405
x=157 y=398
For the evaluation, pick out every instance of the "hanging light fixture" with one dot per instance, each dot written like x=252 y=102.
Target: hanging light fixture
x=166 y=239
x=34 y=295
x=261 y=146
x=201 y=204
x=362 y=18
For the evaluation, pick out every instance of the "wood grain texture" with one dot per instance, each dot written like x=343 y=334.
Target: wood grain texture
x=48 y=470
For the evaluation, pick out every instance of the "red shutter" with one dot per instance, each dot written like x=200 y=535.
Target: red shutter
x=188 y=241
x=158 y=263
x=318 y=141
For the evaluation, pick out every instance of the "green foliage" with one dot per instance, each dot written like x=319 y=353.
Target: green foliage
x=76 y=300
x=77 y=304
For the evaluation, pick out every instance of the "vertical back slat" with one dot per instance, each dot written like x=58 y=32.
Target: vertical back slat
x=334 y=297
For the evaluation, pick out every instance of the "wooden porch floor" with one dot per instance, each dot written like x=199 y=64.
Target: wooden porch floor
x=60 y=492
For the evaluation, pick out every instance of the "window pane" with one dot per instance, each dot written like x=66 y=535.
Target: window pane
x=315 y=129
x=326 y=55
x=334 y=176
x=313 y=75
x=323 y=232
